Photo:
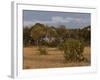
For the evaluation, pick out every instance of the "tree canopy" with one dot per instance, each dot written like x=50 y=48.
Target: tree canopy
x=40 y=33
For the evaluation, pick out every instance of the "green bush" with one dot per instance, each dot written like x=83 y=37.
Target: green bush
x=49 y=44
x=43 y=50
x=44 y=43
x=73 y=50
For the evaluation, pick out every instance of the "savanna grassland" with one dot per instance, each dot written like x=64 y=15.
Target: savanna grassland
x=51 y=47
x=54 y=59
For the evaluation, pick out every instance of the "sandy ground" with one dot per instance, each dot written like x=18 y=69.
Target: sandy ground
x=54 y=59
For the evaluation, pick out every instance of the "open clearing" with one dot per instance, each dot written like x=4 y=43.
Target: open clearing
x=54 y=59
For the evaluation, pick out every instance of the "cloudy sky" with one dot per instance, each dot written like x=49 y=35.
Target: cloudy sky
x=52 y=18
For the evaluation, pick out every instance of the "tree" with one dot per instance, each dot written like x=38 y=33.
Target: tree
x=85 y=35
x=38 y=32
x=26 y=36
x=51 y=33
x=61 y=31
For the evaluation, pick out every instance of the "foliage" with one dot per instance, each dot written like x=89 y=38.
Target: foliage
x=26 y=36
x=51 y=36
x=38 y=31
x=73 y=50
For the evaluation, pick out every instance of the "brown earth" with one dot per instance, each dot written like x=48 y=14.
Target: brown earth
x=32 y=59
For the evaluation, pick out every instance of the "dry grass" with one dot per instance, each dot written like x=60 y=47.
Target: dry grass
x=54 y=59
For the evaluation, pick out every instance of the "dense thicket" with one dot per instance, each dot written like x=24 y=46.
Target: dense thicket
x=41 y=34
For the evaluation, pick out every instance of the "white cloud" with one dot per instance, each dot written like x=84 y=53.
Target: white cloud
x=65 y=19
x=59 y=19
x=56 y=20
x=74 y=19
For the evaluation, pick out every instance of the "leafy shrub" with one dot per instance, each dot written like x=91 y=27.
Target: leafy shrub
x=43 y=50
x=73 y=50
x=52 y=44
x=44 y=43
x=49 y=44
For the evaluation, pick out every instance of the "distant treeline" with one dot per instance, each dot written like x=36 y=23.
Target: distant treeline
x=51 y=36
